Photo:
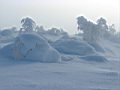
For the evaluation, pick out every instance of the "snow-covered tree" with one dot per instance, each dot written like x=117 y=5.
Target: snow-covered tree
x=28 y=24
x=89 y=29
x=95 y=31
x=55 y=31
x=40 y=29
x=112 y=29
x=102 y=27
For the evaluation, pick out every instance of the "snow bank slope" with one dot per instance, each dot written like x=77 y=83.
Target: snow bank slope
x=111 y=49
x=31 y=47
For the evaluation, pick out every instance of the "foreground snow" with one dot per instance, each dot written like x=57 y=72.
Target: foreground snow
x=71 y=75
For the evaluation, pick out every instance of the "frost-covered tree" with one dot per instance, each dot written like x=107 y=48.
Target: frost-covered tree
x=56 y=31
x=89 y=29
x=40 y=29
x=52 y=31
x=93 y=32
x=28 y=24
x=112 y=29
x=102 y=27
x=102 y=22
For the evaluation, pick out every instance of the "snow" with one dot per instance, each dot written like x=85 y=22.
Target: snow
x=74 y=47
x=59 y=76
x=31 y=47
x=112 y=49
x=94 y=58
x=79 y=65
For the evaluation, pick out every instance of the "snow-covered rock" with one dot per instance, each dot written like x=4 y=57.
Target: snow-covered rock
x=8 y=32
x=31 y=47
x=94 y=58
x=74 y=47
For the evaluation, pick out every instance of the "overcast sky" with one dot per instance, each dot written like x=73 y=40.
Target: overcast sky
x=58 y=13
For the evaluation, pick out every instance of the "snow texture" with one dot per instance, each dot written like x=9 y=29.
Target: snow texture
x=31 y=47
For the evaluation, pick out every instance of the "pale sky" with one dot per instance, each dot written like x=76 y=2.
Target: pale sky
x=58 y=13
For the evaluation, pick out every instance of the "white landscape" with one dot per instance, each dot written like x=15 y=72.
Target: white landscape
x=37 y=59
x=59 y=45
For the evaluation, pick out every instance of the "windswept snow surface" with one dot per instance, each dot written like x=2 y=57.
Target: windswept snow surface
x=85 y=69
x=77 y=75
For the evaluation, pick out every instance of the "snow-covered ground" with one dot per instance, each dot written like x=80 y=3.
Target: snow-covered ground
x=77 y=75
x=74 y=72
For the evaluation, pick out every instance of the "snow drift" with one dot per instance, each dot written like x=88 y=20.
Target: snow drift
x=31 y=47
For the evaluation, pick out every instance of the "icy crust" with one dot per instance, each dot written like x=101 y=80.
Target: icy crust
x=31 y=47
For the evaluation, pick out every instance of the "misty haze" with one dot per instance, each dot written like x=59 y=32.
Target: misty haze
x=59 y=45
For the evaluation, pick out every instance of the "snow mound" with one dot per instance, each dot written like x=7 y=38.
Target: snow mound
x=6 y=33
x=94 y=58
x=31 y=47
x=74 y=47
x=97 y=47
